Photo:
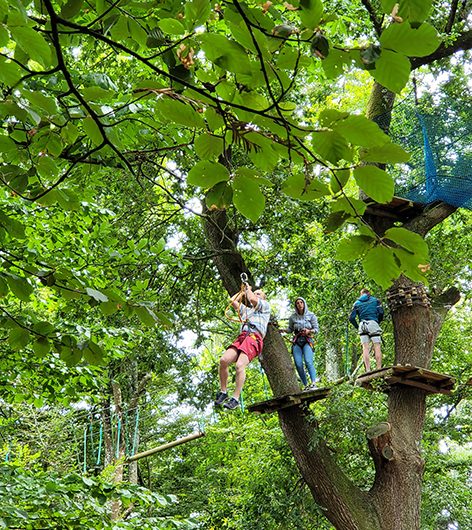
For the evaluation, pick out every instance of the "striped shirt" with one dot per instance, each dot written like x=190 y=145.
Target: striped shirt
x=255 y=318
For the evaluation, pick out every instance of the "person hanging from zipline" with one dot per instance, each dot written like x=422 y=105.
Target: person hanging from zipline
x=254 y=319
x=304 y=325
x=370 y=312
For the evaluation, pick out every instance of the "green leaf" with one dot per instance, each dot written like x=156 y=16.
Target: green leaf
x=71 y=356
x=109 y=308
x=41 y=346
x=376 y=182
x=171 y=26
x=380 y=265
x=45 y=103
x=137 y=32
x=410 y=265
x=298 y=187
x=214 y=119
x=146 y=315
x=388 y=153
x=93 y=353
x=335 y=220
x=20 y=287
x=46 y=167
x=359 y=130
x=248 y=198
x=352 y=206
x=43 y=327
x=97 y=295
x=18 y=338
x=219 y=197
x=410 y=241
x=392 y=70
x=208 y=146
x=311 y=12
x=339 y=179
x=3 y=287
x=96 y=93
x=8 y=147
x=353 y=247
x=206 y=174
x=414 y=42
x=165 y=319
x=334 y=63
x=178 y=112
x=12 y=226
x=253 y=174
x=331 y=146
x=328 y=117
x=71 y=8
x=10 y=73
x=33 y=44
x=415 y=10
x=225 y=53
x=197 y=13
x=92 y=131
x=53 y=144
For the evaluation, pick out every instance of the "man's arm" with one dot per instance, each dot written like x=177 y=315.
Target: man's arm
x=352 y=318
x=251 y=297
x=380 y=311
x=236 y=300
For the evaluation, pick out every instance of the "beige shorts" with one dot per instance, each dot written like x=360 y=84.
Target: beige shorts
x=369 y=331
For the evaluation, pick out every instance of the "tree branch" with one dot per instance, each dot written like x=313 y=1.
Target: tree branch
x=427 y=220
x=463 y=42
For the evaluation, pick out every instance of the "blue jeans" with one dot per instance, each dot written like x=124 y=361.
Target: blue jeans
x=306 y=354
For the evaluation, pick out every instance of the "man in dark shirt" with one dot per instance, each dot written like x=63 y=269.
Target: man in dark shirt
x=370 y=312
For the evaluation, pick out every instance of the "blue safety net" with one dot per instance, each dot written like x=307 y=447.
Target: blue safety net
x=438 y=135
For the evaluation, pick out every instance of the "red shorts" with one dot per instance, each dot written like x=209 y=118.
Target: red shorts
x=248 y=343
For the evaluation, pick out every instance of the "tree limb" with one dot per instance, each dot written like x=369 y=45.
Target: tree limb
x=463 y=42
x=430 y=217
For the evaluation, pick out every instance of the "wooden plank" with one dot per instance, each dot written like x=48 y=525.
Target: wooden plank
x=163 y=447
x=291 y=400
x=417 y=384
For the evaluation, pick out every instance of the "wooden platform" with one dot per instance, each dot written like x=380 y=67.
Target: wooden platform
x=290 y=400
x=397 y=208
x=384 y=378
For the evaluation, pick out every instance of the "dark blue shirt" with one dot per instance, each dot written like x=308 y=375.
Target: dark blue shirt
x=366 y=307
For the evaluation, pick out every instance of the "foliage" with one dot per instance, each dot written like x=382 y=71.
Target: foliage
x=40 y=500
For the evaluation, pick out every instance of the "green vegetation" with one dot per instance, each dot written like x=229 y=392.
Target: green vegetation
x=150 y=152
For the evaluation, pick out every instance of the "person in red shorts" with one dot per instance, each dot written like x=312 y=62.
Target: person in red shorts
x=247 y=346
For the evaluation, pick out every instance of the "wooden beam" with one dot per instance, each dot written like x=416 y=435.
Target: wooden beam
x=163 y=447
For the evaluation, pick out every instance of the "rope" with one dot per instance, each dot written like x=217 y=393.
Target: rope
x=85 y=449
x=118 y=435
x=100 y=441
x=348 y=364
x=91 y=438
x=135 y=436
x=201 y=425
x=261 y=370
x=241 y=402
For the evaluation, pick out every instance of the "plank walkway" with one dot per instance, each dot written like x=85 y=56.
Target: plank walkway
x=382 y=379
x=407 y=375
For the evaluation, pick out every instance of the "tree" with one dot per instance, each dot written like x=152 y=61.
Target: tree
x=142 y=90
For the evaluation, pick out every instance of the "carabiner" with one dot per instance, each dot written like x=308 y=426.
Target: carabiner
x=244 y=278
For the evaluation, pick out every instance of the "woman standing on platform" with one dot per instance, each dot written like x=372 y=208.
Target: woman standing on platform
x=304 y=325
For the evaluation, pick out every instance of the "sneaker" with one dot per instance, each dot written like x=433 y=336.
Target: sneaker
x=221 y=397
x=311 y=386
x=232 y=404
